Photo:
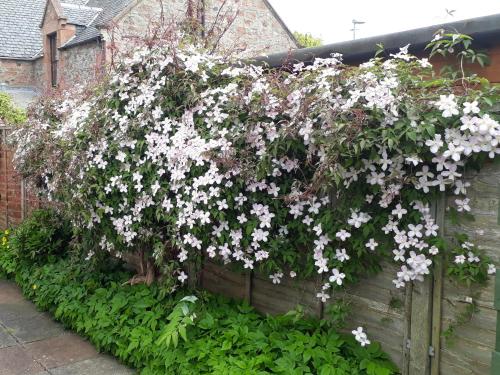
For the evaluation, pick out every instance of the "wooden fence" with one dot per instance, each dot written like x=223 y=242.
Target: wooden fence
x=434 y=327
x=416 y=325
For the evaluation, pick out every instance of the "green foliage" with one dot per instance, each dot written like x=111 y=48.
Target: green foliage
x=43 y=235
x=307 y=40
x=459 y=45
x=137 y=324
x=8 y=112
x=8 y=262
x=473 y=268
x=179 y=319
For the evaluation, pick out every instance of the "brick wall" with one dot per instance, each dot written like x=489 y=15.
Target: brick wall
x=10 y=191
x=15 y=201
x=16 y=72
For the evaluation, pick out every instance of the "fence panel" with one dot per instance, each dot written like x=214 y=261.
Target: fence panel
x=468 y=333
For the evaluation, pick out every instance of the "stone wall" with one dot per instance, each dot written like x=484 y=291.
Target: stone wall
x=256 y=30
x=38 y=73
x=80 y=64
x=16 y=73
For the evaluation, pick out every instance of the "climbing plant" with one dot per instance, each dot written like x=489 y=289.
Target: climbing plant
x=322 y=169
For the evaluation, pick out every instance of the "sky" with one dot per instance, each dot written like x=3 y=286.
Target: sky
x=331 y=20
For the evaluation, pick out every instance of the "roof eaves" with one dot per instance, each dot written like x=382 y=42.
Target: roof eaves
x=70 y=44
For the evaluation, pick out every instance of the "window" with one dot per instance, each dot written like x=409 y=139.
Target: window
x=53 y=58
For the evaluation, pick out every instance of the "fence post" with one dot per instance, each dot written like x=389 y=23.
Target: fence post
x=495 y=357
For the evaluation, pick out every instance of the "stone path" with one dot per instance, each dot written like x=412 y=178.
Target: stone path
x=31 y=343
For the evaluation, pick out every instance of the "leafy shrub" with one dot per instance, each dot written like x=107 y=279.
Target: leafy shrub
x=183 y=154
x=8 y=112
x=43 y=235
x=223 y=337
x=8 y=261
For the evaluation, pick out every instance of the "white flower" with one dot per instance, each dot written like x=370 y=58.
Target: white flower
x=323 y=296
x=399 y=211
x=399 y=255
x=337 y=277
x=492 y=269
x=472 y=258
x=361 y=336
x=242 y=219
x=462 y=204
x=341 y=255
x=182 y=277
x=293 y=274
x=342 y=235
x=415 y=230
x=371 y=244
x=471 y=107
x=276 y=277
x=459 y=259
x=448 y=105
x=222 y=205
x=433 y=250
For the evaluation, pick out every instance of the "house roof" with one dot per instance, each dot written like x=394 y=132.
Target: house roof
x=26 y=16
x=92 y=14
x=78 y=14
x=19 y=28
x=484 y=30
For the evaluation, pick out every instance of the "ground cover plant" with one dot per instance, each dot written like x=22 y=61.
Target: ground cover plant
x=322 y=170
x=163 y=333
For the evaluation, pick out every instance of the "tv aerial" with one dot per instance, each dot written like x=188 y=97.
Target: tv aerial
x=354 y=28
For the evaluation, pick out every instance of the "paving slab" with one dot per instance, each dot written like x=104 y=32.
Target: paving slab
x=34 y=328
x=16 y=361
x=10 y=293
x=102 y=365
x=22 y=310
x=6 y=339
x=32 y=343
x=61 y=350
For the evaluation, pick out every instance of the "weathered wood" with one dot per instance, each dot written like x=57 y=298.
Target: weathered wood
x=437 y=292
x=469 y=349
x=405 y=368
x=290 y=293
x=217 y=279
x=421 y=313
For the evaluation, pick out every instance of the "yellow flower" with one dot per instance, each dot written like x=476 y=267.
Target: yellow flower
x=34 y=286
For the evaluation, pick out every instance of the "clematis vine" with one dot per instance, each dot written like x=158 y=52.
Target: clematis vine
x=320 y=170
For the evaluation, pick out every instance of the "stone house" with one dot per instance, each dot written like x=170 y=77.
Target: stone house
x=58 y=43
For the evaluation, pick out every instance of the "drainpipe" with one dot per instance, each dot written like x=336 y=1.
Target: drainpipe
x=495 y=357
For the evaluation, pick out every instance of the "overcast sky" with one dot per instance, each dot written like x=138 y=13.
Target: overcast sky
x=331 y=20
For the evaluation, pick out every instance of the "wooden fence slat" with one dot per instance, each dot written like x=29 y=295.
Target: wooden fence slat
x=437 y=291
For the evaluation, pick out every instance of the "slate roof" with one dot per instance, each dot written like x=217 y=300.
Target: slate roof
x=81 y=15
x=19 y=28
x=20 y=21
x=107 y=9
